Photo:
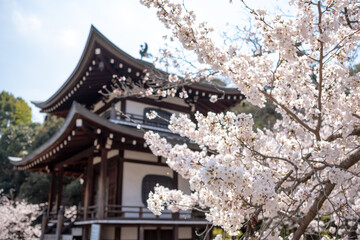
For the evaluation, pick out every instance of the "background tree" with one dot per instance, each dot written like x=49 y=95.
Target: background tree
x=18 y=137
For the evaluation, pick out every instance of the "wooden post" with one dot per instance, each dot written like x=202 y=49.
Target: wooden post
x=102 y=183
x=59 y=224
x=119 y=183
x=176 y=232
x=85 y=232
x=158 y=233
x=141 y=232
x=117 y=233
x=59 y=189
x=51 y=193
x=123 y=107
x=175 y=186
x=88 y=186
x=112 y=111
x=119 y=175
x=43 y=225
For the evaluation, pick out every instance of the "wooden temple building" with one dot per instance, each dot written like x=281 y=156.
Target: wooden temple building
x=98 y=144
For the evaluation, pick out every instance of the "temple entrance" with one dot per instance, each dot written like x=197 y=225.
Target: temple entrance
x=158 y=234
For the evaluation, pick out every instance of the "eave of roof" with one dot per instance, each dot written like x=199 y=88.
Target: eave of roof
x=79 y=112
x=97 y=40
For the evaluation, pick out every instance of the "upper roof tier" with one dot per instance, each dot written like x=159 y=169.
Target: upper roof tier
x=100 y=61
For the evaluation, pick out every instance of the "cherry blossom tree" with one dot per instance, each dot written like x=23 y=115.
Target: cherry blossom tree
x=300 y=178
x=17 y=219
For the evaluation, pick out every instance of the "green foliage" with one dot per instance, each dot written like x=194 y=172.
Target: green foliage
x=13 y=111
x=15 y=141
x=45 y=131
x=35 y=188
x=263 y=117
x=72 y=192
x=18 y=137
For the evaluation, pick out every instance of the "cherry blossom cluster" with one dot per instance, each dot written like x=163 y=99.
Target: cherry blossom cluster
x=16 y=219
x=305 y=169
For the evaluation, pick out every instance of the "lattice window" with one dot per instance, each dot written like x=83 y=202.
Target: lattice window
x=150 y=181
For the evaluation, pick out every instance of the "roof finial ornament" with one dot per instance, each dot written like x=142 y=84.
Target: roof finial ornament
x=144 y=51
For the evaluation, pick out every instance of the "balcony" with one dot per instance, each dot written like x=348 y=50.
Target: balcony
x=121 y=212
x=133 y=120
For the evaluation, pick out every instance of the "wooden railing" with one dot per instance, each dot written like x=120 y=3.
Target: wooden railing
x=139 y=212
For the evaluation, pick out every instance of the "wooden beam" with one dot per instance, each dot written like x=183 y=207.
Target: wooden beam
x=144 y=162
x=102 y=183
x=83 y=154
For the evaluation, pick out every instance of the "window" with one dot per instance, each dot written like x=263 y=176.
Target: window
x=150 y=181
x=161 y=121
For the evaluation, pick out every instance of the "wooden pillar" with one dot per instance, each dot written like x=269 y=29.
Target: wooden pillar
x=85 y=233
x=51 y=193
x=59 y=190
x=119 y=176
x=141 y=235
x=44 y=222
x=158 y=233
x=123 y=107
x=112 y=111
x=193 y=233
x=59 y=224
x=176 y=232
x=102 y=184
x=175 y=184
x=88 y=186
x=117 y=233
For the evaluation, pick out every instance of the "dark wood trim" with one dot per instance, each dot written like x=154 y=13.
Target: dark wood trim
x=161 y=104
x=102 y=183
x=51 y=193
x=89 y=188
x=144 y=162
x=117 y=144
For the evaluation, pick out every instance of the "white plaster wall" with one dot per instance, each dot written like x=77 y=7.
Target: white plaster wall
x=140 y=156
x=133 y=176
x=185 y=232
x=129 y=233
x=184 y=184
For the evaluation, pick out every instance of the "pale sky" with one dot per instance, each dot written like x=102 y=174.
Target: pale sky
x=41 y=41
